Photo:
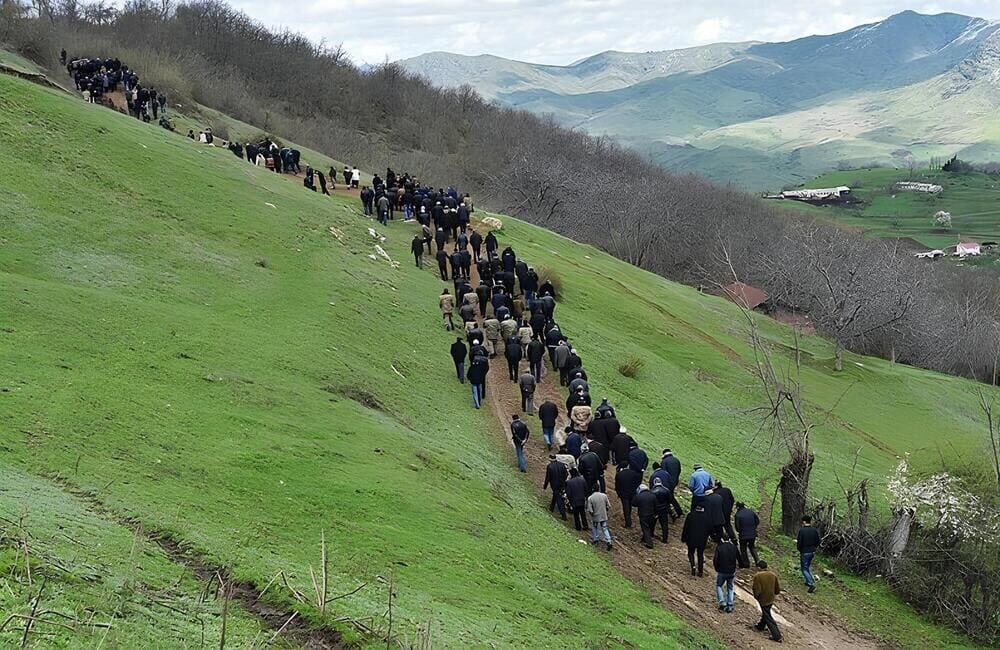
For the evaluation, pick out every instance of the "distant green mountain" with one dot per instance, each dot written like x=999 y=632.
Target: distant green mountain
x=768 y=114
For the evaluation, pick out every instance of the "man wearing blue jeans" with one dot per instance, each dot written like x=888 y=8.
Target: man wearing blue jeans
x=725 y=562
x=548 y=413
x=519 y=436
x=807 y=543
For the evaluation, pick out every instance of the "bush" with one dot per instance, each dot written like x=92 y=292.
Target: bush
x=546 y=274
x=220 y=130
x=631 y=367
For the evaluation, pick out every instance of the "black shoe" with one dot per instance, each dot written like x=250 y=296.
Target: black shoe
x=812 y=588
x=700 y=573
x=729 y=609
x=609 y=546
x=722 y=607
x=776 y=639
x=564 y=517
x=692 y=571
x=648 y=545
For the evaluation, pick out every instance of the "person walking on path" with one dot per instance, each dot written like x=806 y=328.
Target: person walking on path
x=807 y=543
x=627 y=481
x=491 y=328
x=458 y=355
x=417 y=247
x=645 y=505
x=727 y=508
x=536 y=352
x=597 y=507
x=724 y=562
x=527 y=385
x=713 y=506
x=695 y=535
x=548 y=413
x=477 y=377
x=442 y=259
x=556 y=477
x=519 y=436
x=746 y=527
x=591 y=467
x=512 y=352
x=672 y=465
x=447 y=304
x=765 y=588
x=577 y=491
x=700 y=481
x=662 y=495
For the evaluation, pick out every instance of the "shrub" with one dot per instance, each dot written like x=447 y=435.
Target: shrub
x=546 y=274
x=631 y=367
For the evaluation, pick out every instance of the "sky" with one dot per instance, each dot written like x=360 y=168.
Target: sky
x=559 y=32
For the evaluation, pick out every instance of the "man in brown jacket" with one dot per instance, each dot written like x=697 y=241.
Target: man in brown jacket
x=765 y=588
x=447 y=303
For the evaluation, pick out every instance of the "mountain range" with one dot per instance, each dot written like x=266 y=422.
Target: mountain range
x=762 y=115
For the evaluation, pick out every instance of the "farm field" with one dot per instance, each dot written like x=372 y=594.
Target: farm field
x=205 y=349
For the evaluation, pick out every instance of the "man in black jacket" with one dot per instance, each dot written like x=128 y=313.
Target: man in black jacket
x=713 y=507
x=620 y=446
x=724 y=563
x=746 y=527
x=695 y=535
x=512 y=352
x=592 y=468
x=519 y=436
x=627 y=481
x=548 y=412
x=417 y=248
x=727 y=508
x=491 y=245
x=672 y=465
x=577 y=492
x=536 y=352
x=807 y=543
x=442 y=259
x=555 y=477
x=645 y=504
x=662 y=495
x=476 y=241
x=458 y=354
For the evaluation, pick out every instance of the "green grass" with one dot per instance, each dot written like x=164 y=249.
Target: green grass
x=972 y=199
x=151 y=360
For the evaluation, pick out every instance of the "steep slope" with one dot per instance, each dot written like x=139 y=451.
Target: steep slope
x=795 y=109
x=242 y=377
x=186 y=339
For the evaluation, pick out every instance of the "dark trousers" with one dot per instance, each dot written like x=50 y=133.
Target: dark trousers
x=460 y=371
x=663 y=518
x=718 y=532
x=728 y=526
x=701 y=556
x=419 y=258
x=627 y=510
x=444 y=272
x=512 y=369
x=580 y=517
x=647 y=523
x=427 y=242
x=552 y=358
x=558 y=501
x=674 y=505
x=564 y=376
x=476 y=250
x=746 y=544
x=536 y=370
x=767 y=621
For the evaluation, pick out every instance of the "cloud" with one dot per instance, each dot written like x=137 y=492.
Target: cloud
x=562 y=31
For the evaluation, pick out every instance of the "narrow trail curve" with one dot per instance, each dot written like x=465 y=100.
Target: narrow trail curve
x=664 y=570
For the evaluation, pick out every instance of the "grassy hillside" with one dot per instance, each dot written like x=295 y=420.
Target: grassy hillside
x=184 y=337
x=972 y=199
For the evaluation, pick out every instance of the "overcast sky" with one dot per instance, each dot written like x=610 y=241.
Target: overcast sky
x=562 y=31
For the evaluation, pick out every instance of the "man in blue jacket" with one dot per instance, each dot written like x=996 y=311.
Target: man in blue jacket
x=700 y=481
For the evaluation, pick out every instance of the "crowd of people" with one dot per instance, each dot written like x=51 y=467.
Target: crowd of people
x=584 y=441
x=95 y=78
x=442 y=213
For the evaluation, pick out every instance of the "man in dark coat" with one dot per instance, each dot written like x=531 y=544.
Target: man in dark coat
x=645 y=505
x=746 y=527
x=714 y=509
x=672 y=465
x=440 y=238
x=724 y=563
x=512 y=352
x=574 y=443
x=548 y=304
x=477 y=377
x=727 y=508
x=458 y=354
x=491 y=245
x=555 y=477
x=807 y=542
x=627 y=481
x=695 y=534
x=417 y=248
x=552 y=339
x=548 y=412
x=637 y=458
x=592 y=468
x=483 y=294
x=620 y=446
x=509 y=260
x=662 y=495
x=577 y=491
x=465 y=262
x=456 y=264
x=442 y=260
x=476 y=241
x=519 y=436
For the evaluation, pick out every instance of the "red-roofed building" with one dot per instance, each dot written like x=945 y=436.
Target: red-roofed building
x=744 y=295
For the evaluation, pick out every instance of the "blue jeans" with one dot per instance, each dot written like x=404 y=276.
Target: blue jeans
x=547 y=435
x=805 y=560
x=596 y=527
x=460 y=371
x=725 y=595
x=477 y=390
x=522 y=463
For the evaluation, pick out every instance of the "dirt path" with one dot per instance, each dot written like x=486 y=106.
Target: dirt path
x=664 y=571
